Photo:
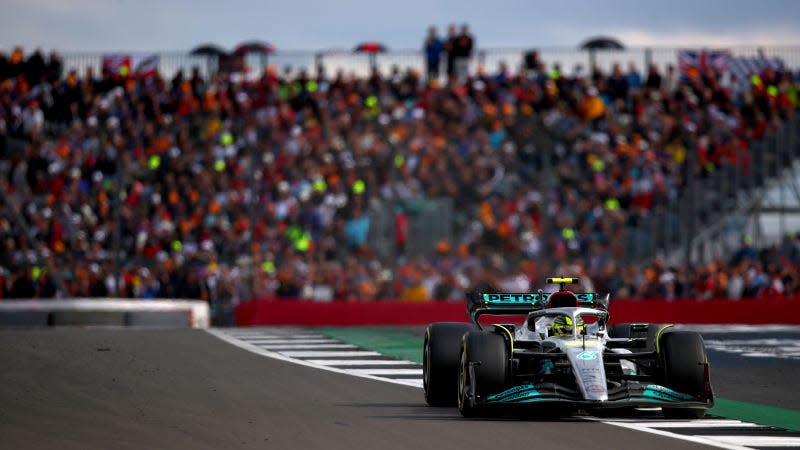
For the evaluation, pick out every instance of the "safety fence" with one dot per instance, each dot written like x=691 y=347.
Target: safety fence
x=489 y=59
x=339 y=313
x=720 y=203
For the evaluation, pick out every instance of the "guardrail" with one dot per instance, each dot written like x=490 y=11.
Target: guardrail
x=169 y=313
x=489 y=59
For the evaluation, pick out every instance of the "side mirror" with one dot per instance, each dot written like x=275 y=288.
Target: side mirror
x=531 y=322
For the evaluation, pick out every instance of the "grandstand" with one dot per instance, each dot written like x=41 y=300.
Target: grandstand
x=379 y=184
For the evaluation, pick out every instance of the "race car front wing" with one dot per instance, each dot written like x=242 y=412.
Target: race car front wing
x=630 y=394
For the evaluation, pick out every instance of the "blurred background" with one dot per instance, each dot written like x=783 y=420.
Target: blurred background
x=399 y=153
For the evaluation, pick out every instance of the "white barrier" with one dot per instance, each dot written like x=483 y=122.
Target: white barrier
x=197 y=311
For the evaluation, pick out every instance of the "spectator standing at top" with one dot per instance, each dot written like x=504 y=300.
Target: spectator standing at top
x=462 y=51
x=433 y=53
x=449 y=47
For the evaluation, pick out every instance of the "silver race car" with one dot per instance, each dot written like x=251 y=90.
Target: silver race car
x=565 y=354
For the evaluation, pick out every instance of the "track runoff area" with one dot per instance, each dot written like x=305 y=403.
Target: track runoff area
x=395 y=357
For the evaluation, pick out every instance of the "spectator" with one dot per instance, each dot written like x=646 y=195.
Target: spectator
x=433 y=49
x=633 y=78
x=450 y=49
x=462 y=53
x=328 y=154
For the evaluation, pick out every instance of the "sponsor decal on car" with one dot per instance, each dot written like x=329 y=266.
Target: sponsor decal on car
x=595 y=389
x=510 y=298
x=587 y=355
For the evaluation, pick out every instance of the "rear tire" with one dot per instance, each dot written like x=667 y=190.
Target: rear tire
x=683 y=357
x=491 y=376
x=441 y=353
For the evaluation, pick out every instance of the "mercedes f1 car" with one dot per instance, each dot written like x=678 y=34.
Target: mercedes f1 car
x=564 y=354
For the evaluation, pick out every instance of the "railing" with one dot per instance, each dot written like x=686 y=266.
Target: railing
x=487 y=59
x=717 y=209
x=429 y=221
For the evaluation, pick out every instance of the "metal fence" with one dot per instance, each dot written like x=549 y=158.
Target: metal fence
x=717 y=210
x=429 y=222
x=360 y=64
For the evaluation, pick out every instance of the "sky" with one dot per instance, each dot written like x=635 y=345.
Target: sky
x=167 y=25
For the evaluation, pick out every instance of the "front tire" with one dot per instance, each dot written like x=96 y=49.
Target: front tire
x=490 y=375
x=684 y=360
x=440 y=361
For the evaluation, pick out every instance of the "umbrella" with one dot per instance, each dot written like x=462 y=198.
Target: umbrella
x=212 y=54
x=259 y=47
x=207 y=50
x=370 y=47
x=602 y=43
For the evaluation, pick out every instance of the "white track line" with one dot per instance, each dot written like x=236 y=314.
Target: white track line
x=332 y=353
x=709 y=440
x=388 y=371
x=758 y=441
x=698 y=423
x=360 y=362
x=263 y=352
x=277 y=336
x=304 y=346
x=291 y=341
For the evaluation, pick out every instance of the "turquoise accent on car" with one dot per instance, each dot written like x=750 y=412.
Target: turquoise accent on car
x=533 y=299
x=528 y=393
x=514 y=395
x=666 y=394
x=547 y=367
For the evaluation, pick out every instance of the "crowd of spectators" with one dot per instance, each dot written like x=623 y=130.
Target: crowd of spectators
x=229 y=189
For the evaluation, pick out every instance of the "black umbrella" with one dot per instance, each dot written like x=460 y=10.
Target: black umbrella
x=256 y=47
x=207 y=50
x=602 y=43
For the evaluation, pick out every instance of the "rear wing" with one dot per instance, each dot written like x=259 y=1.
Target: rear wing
x=496 y=303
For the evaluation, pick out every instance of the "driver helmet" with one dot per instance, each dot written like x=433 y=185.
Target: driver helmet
x=562 y=326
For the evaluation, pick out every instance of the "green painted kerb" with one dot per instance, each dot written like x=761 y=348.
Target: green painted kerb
x=760 y=414
x=395 y=344
x=401 y=345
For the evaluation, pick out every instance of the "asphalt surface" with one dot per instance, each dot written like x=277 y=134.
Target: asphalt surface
x=124 y=388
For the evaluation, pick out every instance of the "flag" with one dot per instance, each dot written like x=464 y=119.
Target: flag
x=743 y=67
x=693 y=61
x=145 y=65
x=117 y=64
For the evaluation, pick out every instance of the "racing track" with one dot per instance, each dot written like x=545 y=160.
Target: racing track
x=125 y=388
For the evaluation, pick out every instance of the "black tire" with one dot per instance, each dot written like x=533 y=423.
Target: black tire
x=683 y=358
x=441 y=353
x=491 y=376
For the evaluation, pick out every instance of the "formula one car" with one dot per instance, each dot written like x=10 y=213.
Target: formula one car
x=564 y=355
